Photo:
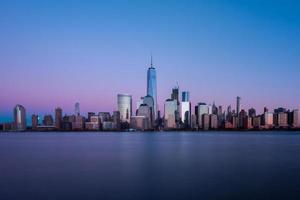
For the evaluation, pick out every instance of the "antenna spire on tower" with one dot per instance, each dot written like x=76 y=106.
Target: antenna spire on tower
x=151 y=61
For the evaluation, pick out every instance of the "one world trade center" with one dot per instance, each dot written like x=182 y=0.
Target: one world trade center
x=151 y=86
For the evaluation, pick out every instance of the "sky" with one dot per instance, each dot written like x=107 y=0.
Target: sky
x=59 y=52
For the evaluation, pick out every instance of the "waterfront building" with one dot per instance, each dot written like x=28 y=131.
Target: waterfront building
x=247 y=123
x=66 y=123
x=93 y=123
x=7 y=126
x=104 y=117
x=202 y=109
x=148 y=100
x=186 y=113
x=116 y=119
x=242 y=118
x=125 y=107
x=77 y=109
x=89 y=115
x=34 y=121
x=205 y=121
x=109 y=126
x=194 y=124
x=213 y=121
x=293 y=118
x=238 y=105
x=268 y=120
x=252 y=112
x=256 y=122
x=170 y=114
x=139 y=123
x=280 y=119
x=175 y=96
x=19 y=118
x=196 y=114
x=78 y=123
x=48 y=120
x=151 y=87
x=186 y=109
x=146 y=111
x=58 y=118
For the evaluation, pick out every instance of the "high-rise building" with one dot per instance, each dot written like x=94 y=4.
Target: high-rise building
x=256 y=122
x=125 y=107
x=116 y=119
x=151 y=87
x=104 y=116
x=170 y=114
x=90 y=114
x=186 y=109
x=202 y=109
x=93 y=123
x=48 y=120
x=238 y=105
x=280 y=119
x=252 y=112
x=148 y=100
x=58 y=118
x=35 y=121
x=242 y=118
x=139 y=123
x=293 y=118
x=19 y=118
x=268 y=119
x=205 y=121
x=213 y=121
x=78 y=123
x=77 y=109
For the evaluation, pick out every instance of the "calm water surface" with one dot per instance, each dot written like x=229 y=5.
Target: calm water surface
x=137 y=166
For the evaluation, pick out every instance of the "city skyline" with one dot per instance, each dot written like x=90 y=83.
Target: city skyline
x=177 y=115
x=51 y=58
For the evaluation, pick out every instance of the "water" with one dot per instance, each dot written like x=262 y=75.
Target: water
x=222 y=165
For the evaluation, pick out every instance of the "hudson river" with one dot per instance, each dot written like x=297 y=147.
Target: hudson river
x=186 y=165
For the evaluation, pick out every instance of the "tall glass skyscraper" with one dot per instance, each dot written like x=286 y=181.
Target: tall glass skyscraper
x=125 y=107
x=19 y=117
x=151 y=86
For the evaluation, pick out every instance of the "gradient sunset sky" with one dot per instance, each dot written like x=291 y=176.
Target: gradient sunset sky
x=57 y=53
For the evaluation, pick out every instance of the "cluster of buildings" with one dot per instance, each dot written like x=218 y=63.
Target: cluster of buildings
x=178 y=115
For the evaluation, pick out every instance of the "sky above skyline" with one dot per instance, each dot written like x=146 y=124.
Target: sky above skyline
x=57 y=53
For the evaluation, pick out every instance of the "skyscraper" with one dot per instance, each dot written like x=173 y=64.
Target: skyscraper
x=202 y=109
x=238 y=105
x=148 y=100
x=151 y=86
x=170 y=114
x=19 y=118
x=77 y=109
x=58 y=118
x=125 y=107
x=186 y=109
x=35 y=121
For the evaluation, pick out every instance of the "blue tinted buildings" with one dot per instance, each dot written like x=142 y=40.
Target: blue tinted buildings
x=151 y=86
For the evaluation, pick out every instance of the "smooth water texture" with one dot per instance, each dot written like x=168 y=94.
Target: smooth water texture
x=212 y=165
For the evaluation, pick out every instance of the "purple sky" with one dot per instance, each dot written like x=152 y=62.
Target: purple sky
x=57 y=53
